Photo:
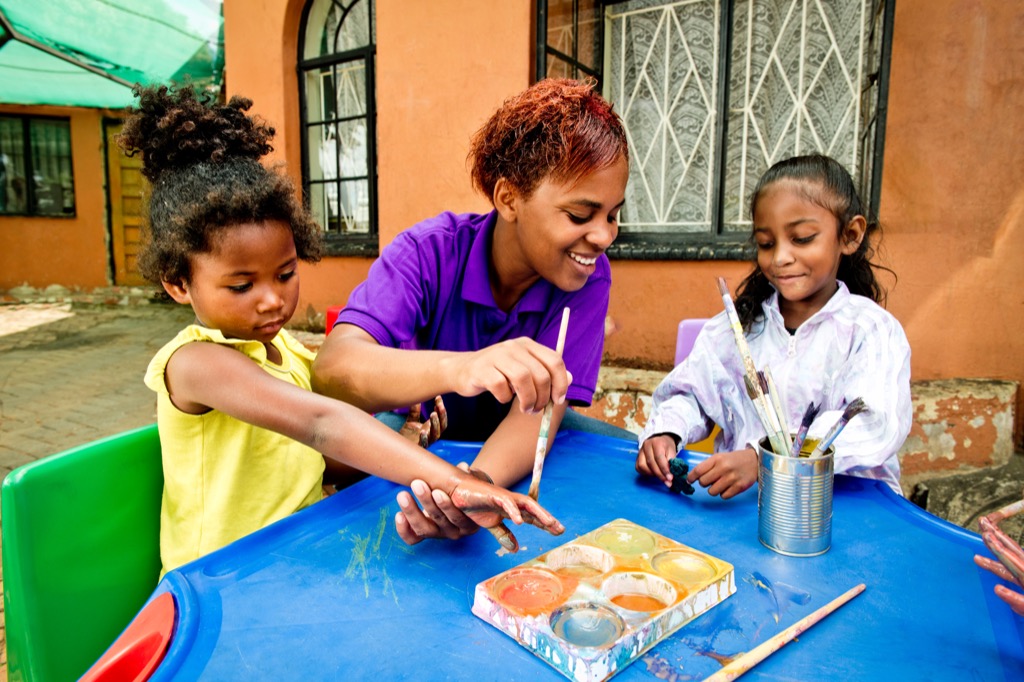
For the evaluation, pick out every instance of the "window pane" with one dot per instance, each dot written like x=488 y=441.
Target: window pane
x=335 y=26
x=558 y=68
x=350 y=94
x=661 y=73
x=12 y=167
x=794 y=89
x=590 y=33
x=561 y=32
x=355 y=207
x=51 y=165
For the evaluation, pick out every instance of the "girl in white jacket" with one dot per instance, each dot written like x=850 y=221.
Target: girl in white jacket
x=809 y=312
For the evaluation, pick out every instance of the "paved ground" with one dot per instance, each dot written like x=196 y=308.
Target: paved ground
x=70 y=375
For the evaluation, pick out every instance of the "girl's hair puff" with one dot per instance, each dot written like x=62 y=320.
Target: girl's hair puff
x=823 y=181
x=203 y=160
x=557 y=127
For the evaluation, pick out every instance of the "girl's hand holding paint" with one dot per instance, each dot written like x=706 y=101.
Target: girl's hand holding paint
x=726 y=473
x=519 y=368
x=472 y=504
x=654 y=456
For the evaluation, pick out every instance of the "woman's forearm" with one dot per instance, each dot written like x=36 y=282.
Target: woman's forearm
x=355 y=368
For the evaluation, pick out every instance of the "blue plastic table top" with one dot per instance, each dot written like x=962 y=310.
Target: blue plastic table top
x=332 y=592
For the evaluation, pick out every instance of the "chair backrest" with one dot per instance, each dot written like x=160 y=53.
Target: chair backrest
x=81 y=552
x=686 y=335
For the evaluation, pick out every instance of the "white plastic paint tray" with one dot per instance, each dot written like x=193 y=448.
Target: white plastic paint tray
x=592 y=606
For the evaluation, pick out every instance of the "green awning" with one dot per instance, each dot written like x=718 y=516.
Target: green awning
x=90 y=52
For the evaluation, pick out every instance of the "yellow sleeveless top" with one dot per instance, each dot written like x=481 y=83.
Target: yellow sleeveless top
x=224 y=478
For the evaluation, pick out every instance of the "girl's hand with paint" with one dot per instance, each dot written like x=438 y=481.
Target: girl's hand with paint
x=518 y=367
x=726 y=473
x=425 y=433
x=654 y=456
x=472 y=504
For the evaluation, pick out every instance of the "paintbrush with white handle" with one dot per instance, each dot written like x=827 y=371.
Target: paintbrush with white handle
x=545 y=420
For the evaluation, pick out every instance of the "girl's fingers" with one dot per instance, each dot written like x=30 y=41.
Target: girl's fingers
x=442 y=413
x=1014 y=599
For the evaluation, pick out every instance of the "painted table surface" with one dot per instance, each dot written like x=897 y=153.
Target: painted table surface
x=332 y=592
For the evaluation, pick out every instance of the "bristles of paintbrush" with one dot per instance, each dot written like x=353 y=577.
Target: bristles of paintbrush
x=852 y=410
x=774 y=438
x=773 y=401
x=805 y=424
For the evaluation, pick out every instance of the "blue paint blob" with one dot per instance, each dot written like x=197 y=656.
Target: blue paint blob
x=587 y=625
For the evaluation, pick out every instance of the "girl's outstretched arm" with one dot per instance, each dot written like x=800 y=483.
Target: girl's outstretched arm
x=506 y=457
x=353 y=367
x=202 y=376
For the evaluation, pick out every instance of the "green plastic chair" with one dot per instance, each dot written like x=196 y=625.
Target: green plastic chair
x=81 y=552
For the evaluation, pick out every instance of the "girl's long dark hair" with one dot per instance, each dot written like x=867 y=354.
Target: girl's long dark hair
x=825 y=182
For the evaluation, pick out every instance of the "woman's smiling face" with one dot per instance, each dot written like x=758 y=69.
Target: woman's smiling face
x=563 y=227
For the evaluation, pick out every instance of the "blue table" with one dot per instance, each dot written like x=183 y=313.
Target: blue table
x=333 y=593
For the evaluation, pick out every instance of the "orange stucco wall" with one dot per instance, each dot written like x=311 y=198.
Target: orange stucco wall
x=952 y=188
x=952 y=192
x=71 y=252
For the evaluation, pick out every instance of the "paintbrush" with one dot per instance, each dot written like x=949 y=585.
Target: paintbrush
x=851 y=411
x=752 y=379
x=771 y=391
x=762 y=651
x=760 y=407
x=545 y=420
x=805 y=424
x=737 y=332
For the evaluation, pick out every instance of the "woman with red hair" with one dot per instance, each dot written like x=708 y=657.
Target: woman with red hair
x=468 y=306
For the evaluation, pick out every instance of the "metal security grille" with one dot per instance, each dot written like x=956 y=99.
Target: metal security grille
x=713 y=92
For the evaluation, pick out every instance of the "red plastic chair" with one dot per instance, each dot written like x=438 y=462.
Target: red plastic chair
x=331 y=317
x=140 y=648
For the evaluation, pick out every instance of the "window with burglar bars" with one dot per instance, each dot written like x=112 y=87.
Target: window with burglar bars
x=713 y=92
x=36 y=177
x=336 y=81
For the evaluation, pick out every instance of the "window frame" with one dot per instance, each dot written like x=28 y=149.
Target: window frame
x=343 y=244
x=31 y=198
x=719 y=244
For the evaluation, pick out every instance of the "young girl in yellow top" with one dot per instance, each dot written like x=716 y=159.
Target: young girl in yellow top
x=244 y=439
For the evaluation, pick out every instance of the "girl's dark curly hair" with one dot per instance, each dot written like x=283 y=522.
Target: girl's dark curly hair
x=202 y=159
x=557 y=127
x=824 y=182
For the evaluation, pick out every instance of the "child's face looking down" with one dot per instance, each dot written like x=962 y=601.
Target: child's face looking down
x=562 y=227
x=248 y=285
x=799 y=246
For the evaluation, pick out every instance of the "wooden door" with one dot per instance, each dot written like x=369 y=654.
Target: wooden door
x=125 y=188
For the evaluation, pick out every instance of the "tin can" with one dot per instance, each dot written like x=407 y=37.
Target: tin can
x=794 y=502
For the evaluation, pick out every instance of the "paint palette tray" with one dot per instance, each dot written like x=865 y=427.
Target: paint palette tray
x=592 y=606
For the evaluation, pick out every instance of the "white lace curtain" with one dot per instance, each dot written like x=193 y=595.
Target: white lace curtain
x=795 y=74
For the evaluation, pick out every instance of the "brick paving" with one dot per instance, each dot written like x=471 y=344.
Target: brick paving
x=72 y=379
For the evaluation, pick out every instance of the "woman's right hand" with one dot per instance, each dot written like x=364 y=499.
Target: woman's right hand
x=519 y=368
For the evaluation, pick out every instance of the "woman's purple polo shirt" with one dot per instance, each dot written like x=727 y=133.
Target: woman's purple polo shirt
x=429 y=290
